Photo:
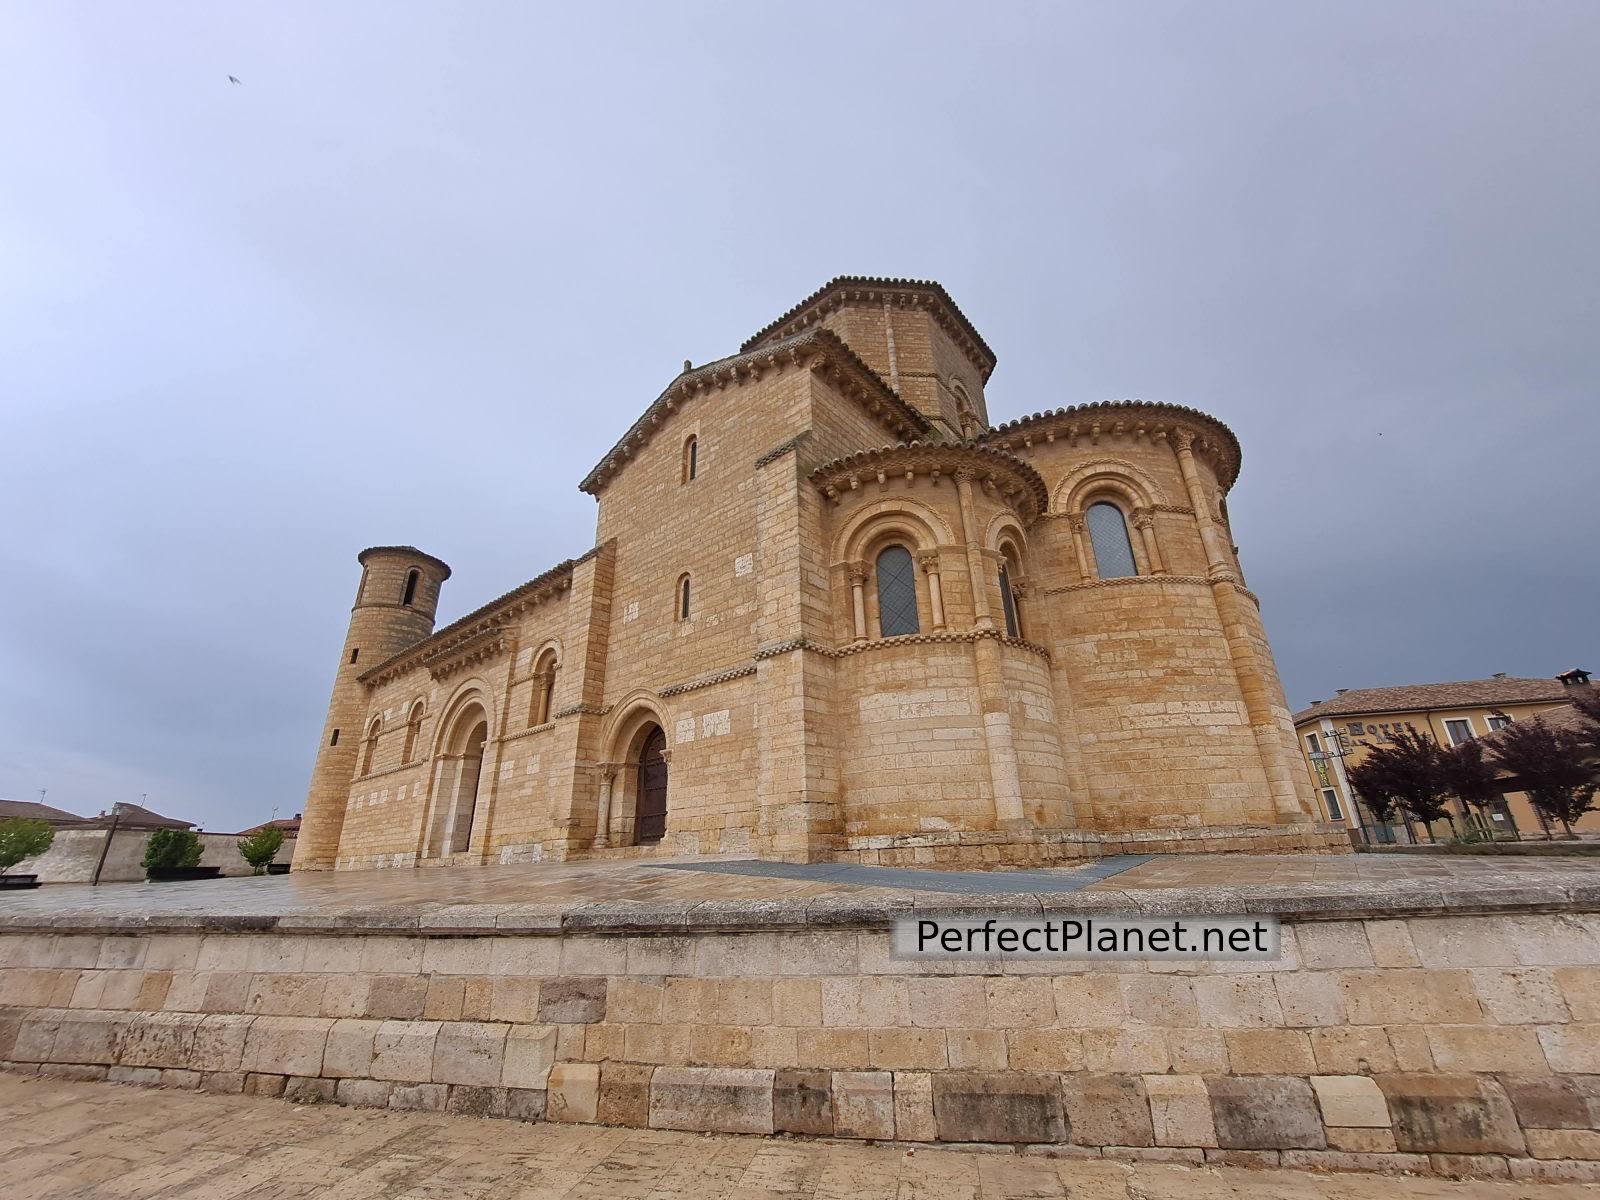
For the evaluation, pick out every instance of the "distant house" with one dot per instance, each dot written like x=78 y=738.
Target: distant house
x=289 y=825
x=38 y=812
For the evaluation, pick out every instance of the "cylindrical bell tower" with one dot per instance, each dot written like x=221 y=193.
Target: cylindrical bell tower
x=395 y=607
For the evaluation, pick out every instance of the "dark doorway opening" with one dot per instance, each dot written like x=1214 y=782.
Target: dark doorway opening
x=651 y=824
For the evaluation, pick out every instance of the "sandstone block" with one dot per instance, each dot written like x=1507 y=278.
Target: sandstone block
x=712 y=1099
x=1351 y=1050
x=1410 y=997
x=1391 y=944
x=1198 y=1052
x=1572 y=1048
x=1469 y=1166
x=982 y=1049
x=403 y=1050
x=797 y=1001
x=396 y=997
x=1580 y=991
x=1088 y=1001
x=364 y=1093
x=1520 y=996
x=863 y=1104
x=1180 y=1111
x=907 y=1048
x=1351 y=1100
x=573 y=1092
x=530 y=1052
x=572 y=1000
x=1137 y=1049
x=348 y=1054
x=472 y=1100
x=1042 y=1050
x=259 y=1084
x=1485 y=1048
x=301 y=1090
x=419 y=1097
x=625 y=1094
x=1310 y=998
x=219 y=1042
x=286 y=1045
x=1361 y=1140
x=1548 y=1102
x=1270 y=1052
x=1238 y=1001
x=802 y=1102
x=468 y=1052
x=1451 y=1114
x=998 y=1106
x=1107 y=1109
x=1265 y=1112
x=152 y=1039
x=1564 y=1143
x=913 y=1107
x=1325 y=944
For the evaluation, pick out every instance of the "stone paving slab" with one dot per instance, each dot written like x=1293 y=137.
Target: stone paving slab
x=976 y=883
x=660 y=896
x=96 y=1141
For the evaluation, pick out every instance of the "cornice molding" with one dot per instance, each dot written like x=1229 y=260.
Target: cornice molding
x=1139 y=419
x=695 y=685
x=1020 y=485
x=922 y=294
x=817 y=350
x=1125 y=581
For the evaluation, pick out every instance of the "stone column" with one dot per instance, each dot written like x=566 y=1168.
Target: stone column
x=984 y=616
x=602 y=822
x=1257 y=681
x=1080 y=543
x=1145 y=522
x=1019 y=589
x=997 y=737
x=930 y=564
x=858 y=598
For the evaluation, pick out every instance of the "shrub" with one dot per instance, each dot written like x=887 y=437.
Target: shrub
x=261 y=847
x=22 y=837
x=173 y=848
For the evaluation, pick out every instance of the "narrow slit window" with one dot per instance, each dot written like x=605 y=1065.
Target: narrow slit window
x=691 y=459
x=897 y=593
x=1108 y=533
x=355 y=654
x=411 y=588
x=1009 y=603
x=334 y=740
x=683 y=598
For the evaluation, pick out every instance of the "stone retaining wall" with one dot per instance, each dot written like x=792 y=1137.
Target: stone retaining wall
x=1453 y=1044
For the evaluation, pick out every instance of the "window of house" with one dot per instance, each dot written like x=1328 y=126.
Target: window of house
x=1459 y=731
x=1330 y=797
x=411 y=588
x=1108 y=534
x=683 y=598
x=897 y=593
x=691 y=459
x=1313 y=744
x=1498 y=721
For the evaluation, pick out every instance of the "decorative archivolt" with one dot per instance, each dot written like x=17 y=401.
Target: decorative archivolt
x=1136 y=485
x=1004 y=527
x=469 y=692
x=917 y=523
x=997 y=472
x=638 y=708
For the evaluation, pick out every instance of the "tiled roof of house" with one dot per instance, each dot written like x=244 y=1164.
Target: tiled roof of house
x=1464 y=693
x=135 y=816
x=35 y=811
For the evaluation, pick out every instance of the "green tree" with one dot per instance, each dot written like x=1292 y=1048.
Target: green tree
x=261 y=847
x=22 y=837
x=173 y=848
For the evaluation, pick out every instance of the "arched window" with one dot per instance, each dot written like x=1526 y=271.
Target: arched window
x=691 y=459
x=413 y=729
x=1010 y=571
x=371 y=751
x=1108 y=533
x=683 y=598
x=411 y=587
x=544 y=689
x=897 y=593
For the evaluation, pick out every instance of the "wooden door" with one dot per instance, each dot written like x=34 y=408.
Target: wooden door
x=651 y=822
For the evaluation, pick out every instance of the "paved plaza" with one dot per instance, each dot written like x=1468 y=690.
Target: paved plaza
x=61 y=1139
x=523 y=896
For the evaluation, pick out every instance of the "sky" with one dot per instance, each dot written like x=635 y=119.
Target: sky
x=412 y=275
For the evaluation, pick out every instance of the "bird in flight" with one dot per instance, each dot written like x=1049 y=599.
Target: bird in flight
x=233 y=79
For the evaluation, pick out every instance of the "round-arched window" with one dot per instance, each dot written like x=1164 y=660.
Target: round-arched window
x=897 y=593
x=1108 y=533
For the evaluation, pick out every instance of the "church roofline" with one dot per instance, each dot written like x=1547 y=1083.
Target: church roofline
x=821 y=347
x=1028 y=493
x=868 y=287
x=537 y=589
x=1153 y=416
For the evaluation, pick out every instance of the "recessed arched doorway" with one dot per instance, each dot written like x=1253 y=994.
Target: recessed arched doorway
x=460 y=772
x=650 y=824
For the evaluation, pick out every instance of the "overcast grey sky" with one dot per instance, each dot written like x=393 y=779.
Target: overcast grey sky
x=411 y=278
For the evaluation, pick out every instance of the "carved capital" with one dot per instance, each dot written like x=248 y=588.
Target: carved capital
x=929 y=560
x=608 y=771
x=964 y=474
x=1183 y=438
x=1143 y=518
x=859 y=572
x=1019 y=588
x=1078 y=522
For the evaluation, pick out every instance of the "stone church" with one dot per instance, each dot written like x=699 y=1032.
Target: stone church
x=833 y=612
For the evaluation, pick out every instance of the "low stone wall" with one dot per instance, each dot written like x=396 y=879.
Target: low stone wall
x=74 y=853
x=1043 y=848
x=1462 y=1044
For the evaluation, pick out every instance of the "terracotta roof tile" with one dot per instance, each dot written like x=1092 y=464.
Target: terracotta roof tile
x=1465 y=693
